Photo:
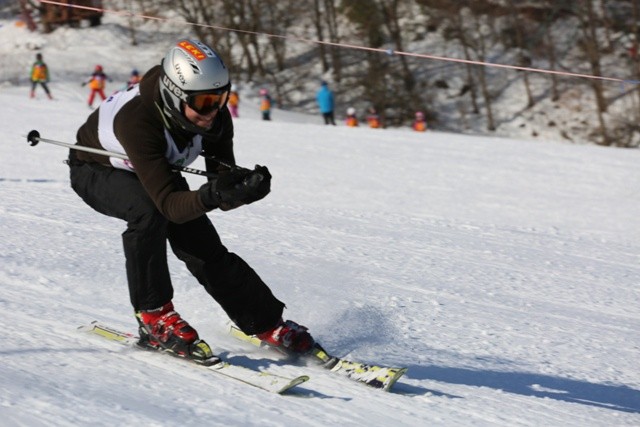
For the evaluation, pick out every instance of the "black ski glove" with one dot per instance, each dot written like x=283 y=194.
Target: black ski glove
x=236 y=187
x=260 y=183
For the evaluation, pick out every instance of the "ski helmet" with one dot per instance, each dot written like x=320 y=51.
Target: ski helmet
x=351 y=111
x=192 y=74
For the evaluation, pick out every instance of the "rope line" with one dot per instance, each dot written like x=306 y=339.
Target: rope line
x=353 y=46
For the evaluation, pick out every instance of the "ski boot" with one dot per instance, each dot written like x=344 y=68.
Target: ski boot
x=163 y=329
x=288 y=337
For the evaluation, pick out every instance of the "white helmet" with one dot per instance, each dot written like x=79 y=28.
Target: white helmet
x=351 y=111
x=189 y=69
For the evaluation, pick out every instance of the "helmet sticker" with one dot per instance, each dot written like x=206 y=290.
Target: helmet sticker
x=193 y=50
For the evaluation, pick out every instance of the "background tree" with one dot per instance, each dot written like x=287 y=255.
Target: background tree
x=518 y=27
x=586 y=36
x=325 y=19
x=590 y=46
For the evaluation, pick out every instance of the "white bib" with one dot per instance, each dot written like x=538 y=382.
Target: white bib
x=108 y=140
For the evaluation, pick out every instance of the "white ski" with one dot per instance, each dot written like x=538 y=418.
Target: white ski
x=260 y=379
x=381 y=377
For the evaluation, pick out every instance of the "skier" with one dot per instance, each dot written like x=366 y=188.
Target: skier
x=177 y=112
x=134 y=78
x=265 y=104
x=234 y=101
x=351 y=120
x=96 y=82
x=324 y=98
x=39 y=75
x=419 y=124
x=373 y=119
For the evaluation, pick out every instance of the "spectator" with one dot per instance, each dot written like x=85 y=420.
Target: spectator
x=324 y=97
x=39 y=75
x=351 y=120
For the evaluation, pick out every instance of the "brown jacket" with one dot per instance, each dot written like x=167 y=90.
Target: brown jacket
x=139 y=127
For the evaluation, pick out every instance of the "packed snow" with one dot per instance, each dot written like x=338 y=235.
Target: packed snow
x=503 y=273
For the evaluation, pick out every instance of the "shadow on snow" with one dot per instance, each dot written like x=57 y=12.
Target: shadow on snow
x=611 y=396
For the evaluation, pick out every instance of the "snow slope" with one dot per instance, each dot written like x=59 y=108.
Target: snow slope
x=504 y=273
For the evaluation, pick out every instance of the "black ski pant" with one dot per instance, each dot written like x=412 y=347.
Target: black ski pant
x=226 y=277
x=328 y=118
x=43 y=84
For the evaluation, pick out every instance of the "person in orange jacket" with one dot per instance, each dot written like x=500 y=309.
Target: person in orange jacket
x=419 y=124
x=96 y=83
x=374 y=119
x=351 y=120
x=265 y=104
x=234 y=101
x=39 y=75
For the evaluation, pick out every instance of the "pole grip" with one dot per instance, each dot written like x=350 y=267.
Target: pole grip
x=33 y=137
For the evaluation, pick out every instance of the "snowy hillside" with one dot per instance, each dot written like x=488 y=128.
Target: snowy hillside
x=503 y=273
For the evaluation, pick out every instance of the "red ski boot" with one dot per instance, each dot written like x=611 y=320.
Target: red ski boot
x=288 y=337
x=164 y=329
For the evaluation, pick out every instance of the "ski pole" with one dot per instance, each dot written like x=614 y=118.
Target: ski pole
x=34 y=138
x=218 y=161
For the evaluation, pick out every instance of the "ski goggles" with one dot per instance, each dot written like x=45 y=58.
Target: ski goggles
x=205 y=103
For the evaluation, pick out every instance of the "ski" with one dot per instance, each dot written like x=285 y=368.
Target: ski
x=263 y=380
x=380 y=377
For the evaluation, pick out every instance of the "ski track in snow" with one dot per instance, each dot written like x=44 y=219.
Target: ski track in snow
x=503 y=273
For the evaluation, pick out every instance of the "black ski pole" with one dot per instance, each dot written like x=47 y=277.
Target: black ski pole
x=218 y=161
x=34 y=138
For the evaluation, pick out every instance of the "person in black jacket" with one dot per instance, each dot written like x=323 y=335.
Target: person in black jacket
x=176 y=113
